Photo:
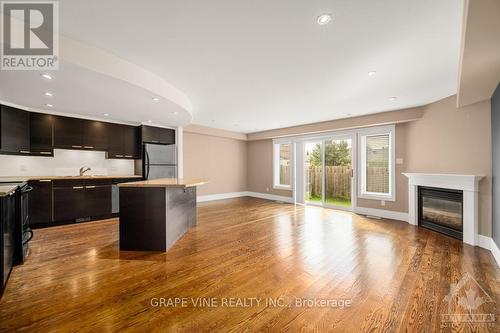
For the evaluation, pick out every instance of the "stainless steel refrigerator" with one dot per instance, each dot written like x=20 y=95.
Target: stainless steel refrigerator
x=159 y=161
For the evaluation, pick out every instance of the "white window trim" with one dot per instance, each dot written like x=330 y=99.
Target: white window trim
x=276 y=163
x=362 y=133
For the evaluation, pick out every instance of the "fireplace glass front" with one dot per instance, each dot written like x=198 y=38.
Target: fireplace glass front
x=441 y=210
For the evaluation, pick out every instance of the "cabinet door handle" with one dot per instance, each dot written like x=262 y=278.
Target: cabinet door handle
x=92 y=186
x=76 y=146
x=118 y=155
x=45 y=180
x=128 y=156
x=45 y=153
x=155 y=141
x=77 y=187
x=24 y=151
x=88 y=147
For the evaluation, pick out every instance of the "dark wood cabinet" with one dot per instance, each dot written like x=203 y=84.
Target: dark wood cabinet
x=68 y=132
x=40 y=202
x=124 y=141
x=98 y=200
x=14 y=130
x=41 y=134
x=152 y=134
x=132 y=142
x=74 y=133
x=95 y=135
x=69 y=202
x=78 y=199
x=37 y=134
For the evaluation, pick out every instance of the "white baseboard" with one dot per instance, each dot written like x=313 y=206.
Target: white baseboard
x=484 y=242
x=268 y=196
x=489 y=244
x=495 y=251
x=222 y=196
x=387 y=214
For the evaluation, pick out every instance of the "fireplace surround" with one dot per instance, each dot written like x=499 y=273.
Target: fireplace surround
x=468 y=184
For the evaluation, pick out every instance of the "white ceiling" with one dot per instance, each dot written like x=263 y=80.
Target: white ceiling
x=80 y=91
x=255 y=65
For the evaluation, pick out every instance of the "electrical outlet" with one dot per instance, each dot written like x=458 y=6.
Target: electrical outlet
x=399 y=161
x=267 y=189
x=382 y=203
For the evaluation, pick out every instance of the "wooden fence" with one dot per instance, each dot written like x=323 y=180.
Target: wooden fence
x=338 y=180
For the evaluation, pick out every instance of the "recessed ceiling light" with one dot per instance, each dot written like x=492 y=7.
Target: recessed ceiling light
x=46 y=76
x=175 y=113
x=48 y=94
x=324 y=19
x=372 y=73
x=149 y=121
x=393 y=98
x=105 y=114
x=156 y=99
x=49 y=105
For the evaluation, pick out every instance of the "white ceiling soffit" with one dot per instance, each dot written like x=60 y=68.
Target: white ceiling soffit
x=94 y=83
x=249 y=66
x=480 y=57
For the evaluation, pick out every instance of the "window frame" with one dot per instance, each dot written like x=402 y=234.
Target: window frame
x=276 y=165
x=362 y=135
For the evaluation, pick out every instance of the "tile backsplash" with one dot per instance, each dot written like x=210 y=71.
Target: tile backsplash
x=64 y=163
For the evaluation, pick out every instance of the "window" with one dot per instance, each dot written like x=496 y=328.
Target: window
x=377 y=177
x=283 y=165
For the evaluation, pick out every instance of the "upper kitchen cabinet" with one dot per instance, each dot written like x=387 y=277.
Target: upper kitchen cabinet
x=95 y=135
x=152 y=134
x=123 y=141
x=41 y=134
x=68 y=132
x=14 y=130
x=74 y=133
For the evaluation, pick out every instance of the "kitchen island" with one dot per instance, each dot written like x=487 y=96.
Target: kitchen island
x=154 y=214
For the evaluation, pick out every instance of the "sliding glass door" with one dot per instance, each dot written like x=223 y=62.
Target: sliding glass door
x=329 y=172
x=313 y=172
x=338 y=172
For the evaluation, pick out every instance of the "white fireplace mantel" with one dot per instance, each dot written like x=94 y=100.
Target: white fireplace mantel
x=469 y=184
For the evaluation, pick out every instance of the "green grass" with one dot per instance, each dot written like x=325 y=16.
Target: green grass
x=338 y=201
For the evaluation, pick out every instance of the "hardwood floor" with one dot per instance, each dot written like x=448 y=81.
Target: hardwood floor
x=395 y=276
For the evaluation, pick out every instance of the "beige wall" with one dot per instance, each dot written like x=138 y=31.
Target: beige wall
x=260 y=168
x=444 y=140
x=451 y=140
x=221 y=160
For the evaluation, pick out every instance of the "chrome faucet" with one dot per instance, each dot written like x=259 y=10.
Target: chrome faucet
x=83 y=170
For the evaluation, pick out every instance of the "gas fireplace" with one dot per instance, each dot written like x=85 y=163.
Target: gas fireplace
x=441 y=210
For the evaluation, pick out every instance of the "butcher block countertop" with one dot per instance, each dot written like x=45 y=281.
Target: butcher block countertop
x=6 y=190
x=27 y=178
x=167 y=182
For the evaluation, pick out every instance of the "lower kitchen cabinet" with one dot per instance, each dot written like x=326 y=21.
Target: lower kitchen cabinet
x=82 y=201
x=98 y=200
x=69 y=203
x=40 y=202
x=63 y=201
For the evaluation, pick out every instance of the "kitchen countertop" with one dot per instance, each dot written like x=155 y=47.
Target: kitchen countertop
x=166 y=182
x=6 y=190
x=26 y=178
